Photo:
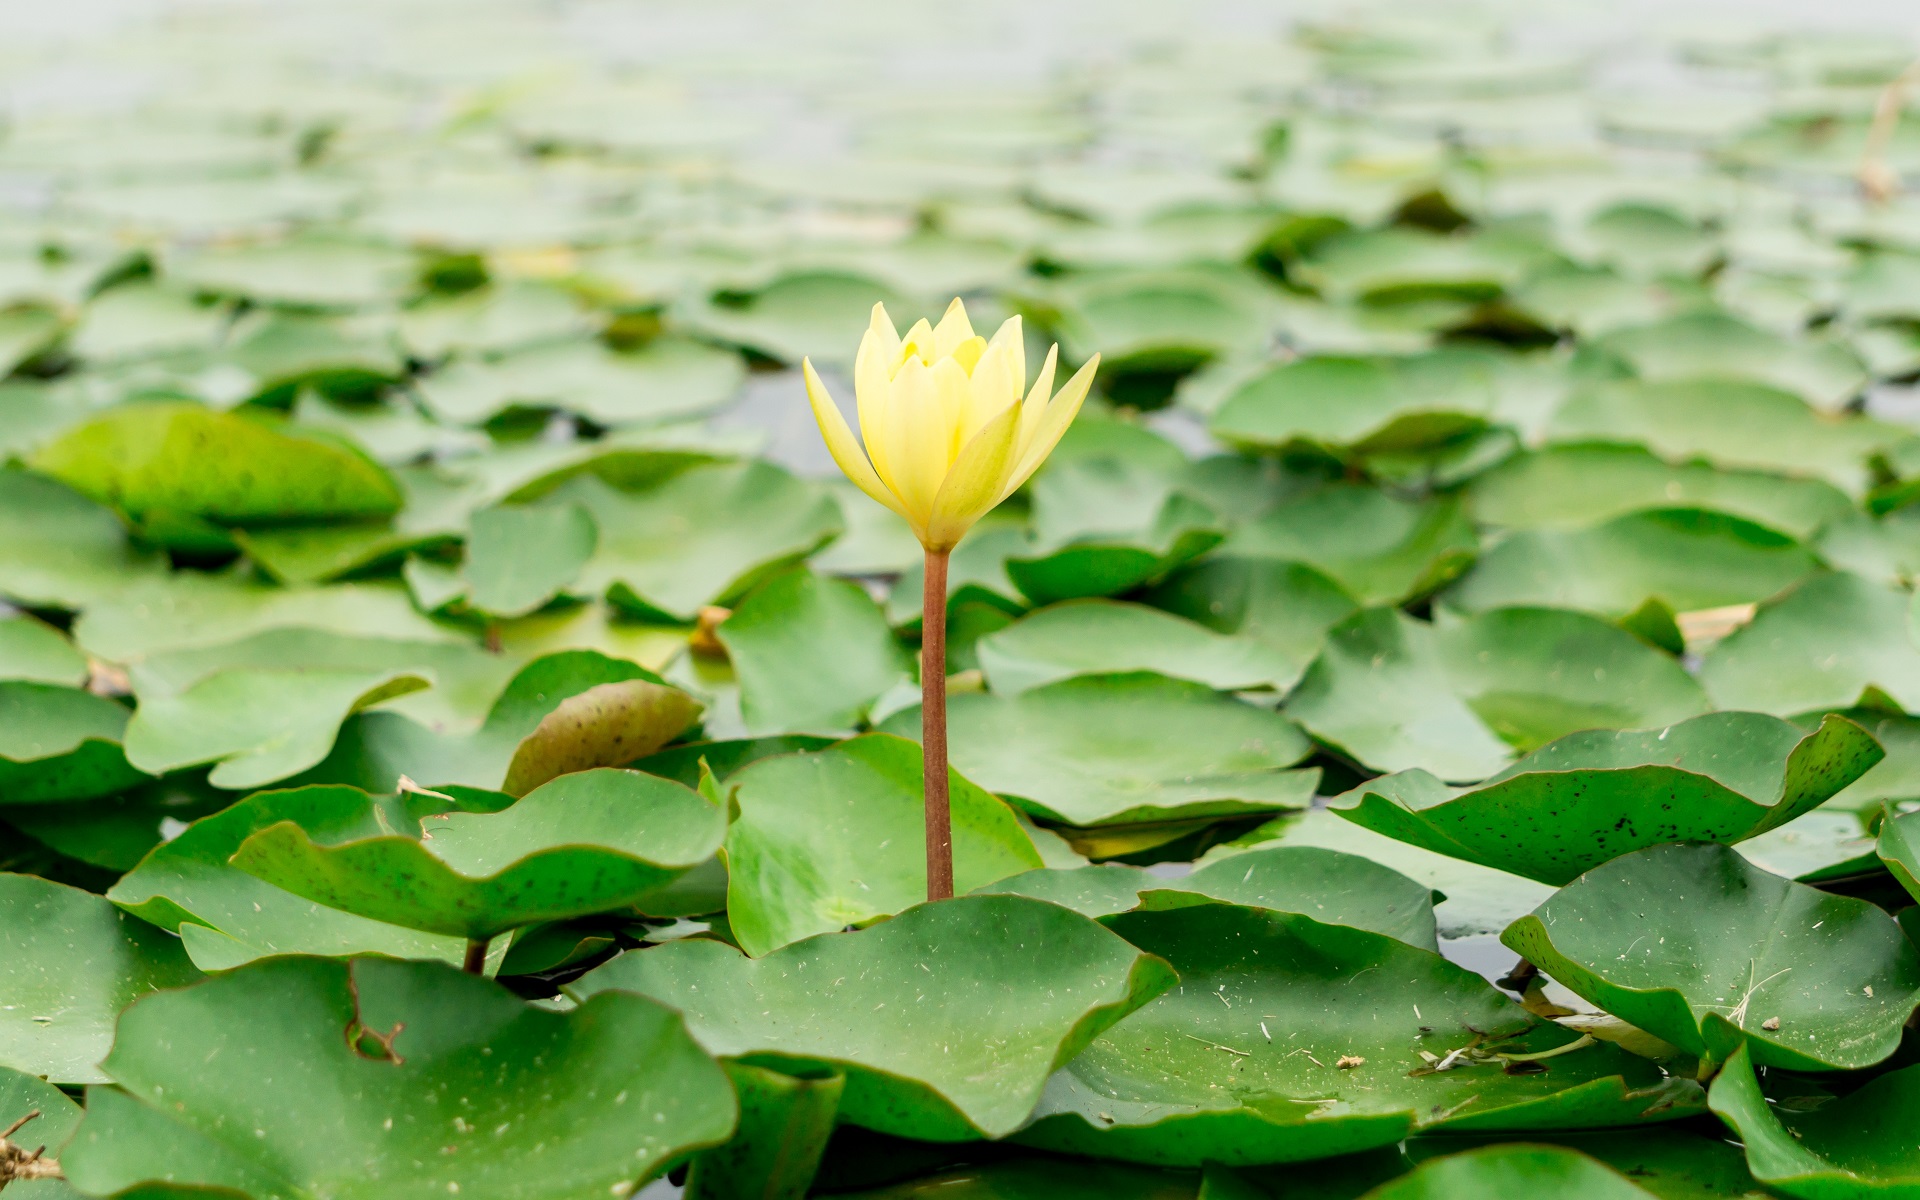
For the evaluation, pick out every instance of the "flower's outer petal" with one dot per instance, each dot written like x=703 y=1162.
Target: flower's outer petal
x=991 y=389
x=840 y=442
x=953 y=330
x=917 y=445
x=1012 y=336
x=1036 y=404
x=1060 y=414
x=872 y=394
x=886 y=337
x=976 y=483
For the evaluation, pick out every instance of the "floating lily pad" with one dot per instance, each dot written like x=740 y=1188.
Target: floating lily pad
x=974 y=1003
x=1097 y=637
x=810 y=654
x=1118 y=749
x=225 y=916
x=1854 y=1145
x=402 y=1059
x=1193 y=1077
x=1286 y=606
x=151 y=459
x=668 y=379
x=504 y=317
x=320 y=271
x=835 y=838
x=1328 y=885
x=819 y=314
x=1505 y=1170
x=583 y=843
x=776 y=1147
x=1899 y=848
x=520 y=557
x=1360 y=407
x=1710 y=345
x=71 y=962
x=1103 y=526
x=1687 y=558
x=35 y=652
x=60 y=744
x=1380 y=548
x=58 y=549
x=1820 y=646
x=1590 y=797
x=704 y=536
x=1810 y=981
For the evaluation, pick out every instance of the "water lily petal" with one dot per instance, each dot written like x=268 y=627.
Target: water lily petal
x=976 y=483
x=1036 y=402
x=1060 y=413
x=954 y=329
x=840 y=441
x=917 y=440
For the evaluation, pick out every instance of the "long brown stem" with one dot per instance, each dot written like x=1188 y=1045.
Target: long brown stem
x=933 y=726
x=476 y=963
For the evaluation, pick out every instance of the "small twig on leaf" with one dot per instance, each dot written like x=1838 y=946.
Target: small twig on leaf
x=17 y=1162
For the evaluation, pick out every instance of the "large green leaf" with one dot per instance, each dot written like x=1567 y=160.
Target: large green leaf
x=1285 y=606
x=704 y=536
x=377 y=1068
x=521 y=556
x=667 y=379
x=1337 y=1068
x=1103 y=526
x=1857 y=1145
x=584 y=843
x=946 y=1019
x=225 y=916
x=181 y=459
x=817 y=313
x=33 y=651
x=1101 y=637
x=1687 y=558
x=1040 y=1177
x=1364 y=406
x=1699 y=947
x=1458 y=697
x=775 y=1150
x=320 y=270
x=59 y=549
x=1711 y=345
x=1328 y=885
x=1899 y=848
x=1819 y=646
x=69 y=962
x=1379 y=547
x=1510 y=1170
x=1117 y=749
x=1590 y=797
x=59 y=744
x=835 y=838
x=810 y=654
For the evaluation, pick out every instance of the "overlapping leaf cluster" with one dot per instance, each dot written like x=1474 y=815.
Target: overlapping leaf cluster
x=1494 y=537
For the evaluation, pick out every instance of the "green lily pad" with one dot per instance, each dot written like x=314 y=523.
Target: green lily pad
x=804 y=313
x=150 y=459
x=1330 y=886
x=836 y=837
x=1357 y=407
x=1104 y=526
x=1378 y=547
x=137 y=319
x=1572 y=487
x=810 y=654
x=1711 y=345
x=58 y=549
x=668 y=379
x=60 y=744
x=503 y=317
x=430 y=1058
x=1590 y=797
x=71 y=962
x=1668 y=1161
x=320 y=271
x=704 y=536
x=1457 y=698
x=1810 y=981
x=974 y=1003
x=1402 y=265
x=1511 y=1170
x=1193 y=1077
x=1899 y=848
x=1687 y=558
x=1121 y=749
x=1822 y=847
x=565 y=711
x=226 y=917
x=1856 y=1145
x=1159 y=320
x=1729 y=424
x=520 y=557
x=22 y=1094
x=1102 y=637
x=1820 y=646
x=776 y=1148
x=34 y=652
x=583 y=843
x=1285 y=606
x=1040 y=1177
x=115 y=832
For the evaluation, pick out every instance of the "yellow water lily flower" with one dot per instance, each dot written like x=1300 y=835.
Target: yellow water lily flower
x=948 y=433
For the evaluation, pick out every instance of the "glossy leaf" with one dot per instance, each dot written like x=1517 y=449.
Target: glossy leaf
x=1819 y=646
x=1099 y=637
x=60 y=744
x=1855 y=1145
x=1504 y=1170
x=810 y=654
x=518 y=558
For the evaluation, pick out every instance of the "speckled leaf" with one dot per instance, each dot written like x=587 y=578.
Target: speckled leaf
x=1857 y=1145
x=60 y=744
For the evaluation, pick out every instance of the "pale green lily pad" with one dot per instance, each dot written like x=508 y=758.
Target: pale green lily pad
x=34 y=652
x=1099 y=637
x=819 y=314
x=1287 y=607
x=1104 y=526
x=811 y=655
x=951 y=1041
x=1820 y=646
x=69 y=962
x=1380 y=548
x=409 y=1057
x=22 y=1094
x=1120 y=749
x=1360 y=407
x=320 y=271
x=139 y=319
x=60 y=744
x=58 y=549
x=1193 y=1077
x=704 y=536
x=835 y=838
x=1710 y=345
x=1804 y=979
x=583 y=843
x=503 y=317
x=520 y=557
x=1686 y=558
x=668 y=379
x=226 y=917
x=1590 y=797
x=1899 y=849
x=1330 y=886
x=1856 y=1145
